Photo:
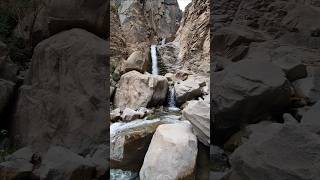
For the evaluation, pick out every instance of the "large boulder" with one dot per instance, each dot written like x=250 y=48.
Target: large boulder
x=308 y=88
x=64 y=102
x=198 y=113
x=246 y=90
x=172 y=153
x=273 y=151
x=129 y=142
x=90 y=15
x=189 y=89
x=140 y=90
x=138 y=61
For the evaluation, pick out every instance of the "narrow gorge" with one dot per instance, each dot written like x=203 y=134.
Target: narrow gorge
x=160 y=99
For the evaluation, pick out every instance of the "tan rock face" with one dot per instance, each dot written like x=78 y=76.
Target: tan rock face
x=140 y=90
x=171 y=154
x=194 y=37
x=63 y=104
x=138 y=61
x=198 y=113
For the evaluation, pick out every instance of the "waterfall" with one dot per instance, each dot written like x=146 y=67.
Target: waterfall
x=155 y=69
x=163 y=41
x=172 y=99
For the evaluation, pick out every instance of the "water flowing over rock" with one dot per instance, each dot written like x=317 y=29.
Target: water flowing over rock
x=171 y=154
x=198 y=113
x=140 y=90
x=129 y=142
x=64 y=102
x=155 y=68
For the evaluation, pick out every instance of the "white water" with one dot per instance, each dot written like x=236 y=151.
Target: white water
x=155 y=69
x=163 y=41
x=118 y=174
x=172 y=99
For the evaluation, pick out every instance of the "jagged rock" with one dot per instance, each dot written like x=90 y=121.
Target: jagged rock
x=140 y=90
x=198 y=113
x=130 y=115
x=233 y=42
x=138 y=61
x=193 y=37
x=286 y=151
x=6 y=93
x=129 y=142
x=61 y=163
x=246 y=90
x=88 y=14
x=171 y=154
x=115 y=115
x=64 y=103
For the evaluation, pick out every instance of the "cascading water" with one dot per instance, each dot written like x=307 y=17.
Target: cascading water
x=172 y=99
x=155 y=69
x=163 y=42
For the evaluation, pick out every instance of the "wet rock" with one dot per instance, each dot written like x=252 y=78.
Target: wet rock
x=129 y=142
x=198 y=113
x=130 y=115
x=140 y=90
x=171 y=154
x=64 y=103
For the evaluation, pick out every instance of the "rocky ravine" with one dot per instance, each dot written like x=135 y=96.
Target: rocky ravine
x=265 y=90
x=159 y=97
x=56 y=111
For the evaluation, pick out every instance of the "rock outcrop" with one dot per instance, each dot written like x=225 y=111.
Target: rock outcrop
x=64 y=102
x=193 y=37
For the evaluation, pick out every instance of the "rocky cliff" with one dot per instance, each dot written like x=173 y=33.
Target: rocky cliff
x=264 y=89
